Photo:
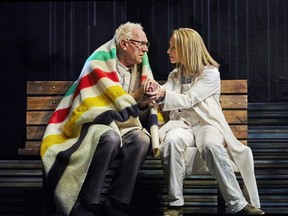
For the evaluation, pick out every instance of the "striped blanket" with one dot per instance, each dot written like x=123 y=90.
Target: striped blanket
x=95 y=103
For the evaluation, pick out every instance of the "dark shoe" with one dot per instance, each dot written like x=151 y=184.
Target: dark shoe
x=250 y=210
x=94 y=208
x=110 y=208
x=80 y=210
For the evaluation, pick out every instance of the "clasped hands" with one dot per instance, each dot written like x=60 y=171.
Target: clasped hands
x=152 y=93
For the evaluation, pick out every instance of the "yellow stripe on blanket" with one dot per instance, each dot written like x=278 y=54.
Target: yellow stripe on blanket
x=71 y=128
x=51 y=140
x=107 y=98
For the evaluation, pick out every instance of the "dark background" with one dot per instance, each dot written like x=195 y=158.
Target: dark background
x=51 y=41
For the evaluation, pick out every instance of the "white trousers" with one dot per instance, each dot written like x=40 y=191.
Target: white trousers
x=210 y=143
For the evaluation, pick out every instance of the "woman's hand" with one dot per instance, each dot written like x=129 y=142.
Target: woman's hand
x=156 y=94
x=149 y=85
x=153 y=93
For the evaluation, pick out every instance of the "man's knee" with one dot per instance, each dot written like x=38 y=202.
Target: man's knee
x=142 y=141
x=111 y=139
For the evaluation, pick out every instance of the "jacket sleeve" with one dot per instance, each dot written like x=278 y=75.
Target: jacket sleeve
x=208 y=84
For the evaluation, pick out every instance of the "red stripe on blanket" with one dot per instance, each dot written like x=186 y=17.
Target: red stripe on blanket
x=143 y=78
x=59 y=115
x=92 y=78
x=95 y=75
x=87 y=81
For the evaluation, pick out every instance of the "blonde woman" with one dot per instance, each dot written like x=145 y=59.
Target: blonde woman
x=197 y=126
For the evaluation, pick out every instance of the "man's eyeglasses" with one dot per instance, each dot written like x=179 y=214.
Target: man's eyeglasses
x=141 y=44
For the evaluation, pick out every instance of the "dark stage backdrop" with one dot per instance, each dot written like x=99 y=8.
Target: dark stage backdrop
x=51 y=41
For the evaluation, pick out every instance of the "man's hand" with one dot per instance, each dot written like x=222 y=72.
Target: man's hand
x=149 y=85
x=144 y=103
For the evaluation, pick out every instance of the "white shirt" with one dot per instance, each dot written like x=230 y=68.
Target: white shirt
x=124 y=75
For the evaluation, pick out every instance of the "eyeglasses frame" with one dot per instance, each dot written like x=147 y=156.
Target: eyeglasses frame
x=141 y=43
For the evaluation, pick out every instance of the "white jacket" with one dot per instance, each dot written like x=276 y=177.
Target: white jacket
x=203 y=96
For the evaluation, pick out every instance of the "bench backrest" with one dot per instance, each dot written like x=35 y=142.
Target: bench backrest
x=44 y=96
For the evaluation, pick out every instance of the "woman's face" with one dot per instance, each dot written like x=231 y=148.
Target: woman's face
x=172 y=51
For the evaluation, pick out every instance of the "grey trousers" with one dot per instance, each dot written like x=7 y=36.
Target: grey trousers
x=132 y=154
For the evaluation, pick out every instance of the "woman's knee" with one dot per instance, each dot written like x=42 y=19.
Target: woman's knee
x=210 y=148
x=212 y=142
x=214 y=152
x=177 y=139
x=171 y=145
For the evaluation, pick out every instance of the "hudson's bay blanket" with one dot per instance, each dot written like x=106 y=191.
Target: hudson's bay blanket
x=94 y=104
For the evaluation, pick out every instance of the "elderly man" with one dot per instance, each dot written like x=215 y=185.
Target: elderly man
x=98 y=120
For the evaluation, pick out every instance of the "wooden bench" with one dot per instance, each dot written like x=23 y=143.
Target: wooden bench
x=200 y=191
x=44 y=96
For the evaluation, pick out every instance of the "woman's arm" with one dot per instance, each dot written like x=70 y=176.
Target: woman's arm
x=208 y=84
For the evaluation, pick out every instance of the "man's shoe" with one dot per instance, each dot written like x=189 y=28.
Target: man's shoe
x=173 y=211
x=109 y=208
x=80 y=210
x=250 y=210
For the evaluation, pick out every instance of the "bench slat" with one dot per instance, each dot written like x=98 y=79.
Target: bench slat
x=233 y=101
x=51 y=102
x=37 y=132
x=33 y=148
x=42 y=117
x=234 y=87
x=48 y=87
x=60 y=87
x=43 y=102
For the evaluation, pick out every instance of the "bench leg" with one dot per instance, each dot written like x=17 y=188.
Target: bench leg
x=33 y=202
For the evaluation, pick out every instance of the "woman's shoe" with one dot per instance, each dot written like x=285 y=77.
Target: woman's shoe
x=173 y=211
x=250 y=210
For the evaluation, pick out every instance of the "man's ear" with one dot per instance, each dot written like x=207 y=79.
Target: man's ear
x=123 y=44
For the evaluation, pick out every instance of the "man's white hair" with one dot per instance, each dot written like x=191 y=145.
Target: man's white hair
x=125 y=31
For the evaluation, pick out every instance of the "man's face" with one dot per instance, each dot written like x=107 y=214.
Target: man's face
x=136 y=47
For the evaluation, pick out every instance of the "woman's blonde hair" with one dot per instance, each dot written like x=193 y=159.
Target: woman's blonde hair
x=192 y=52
